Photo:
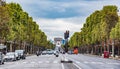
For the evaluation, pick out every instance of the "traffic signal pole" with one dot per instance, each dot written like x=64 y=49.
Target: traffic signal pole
x=66 y=36
x=64 y=59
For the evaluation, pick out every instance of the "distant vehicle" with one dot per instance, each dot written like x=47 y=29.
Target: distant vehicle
x=10 y=56
x=48 y=52
x=44 y=52
x=38 y=53
x=70 y=52
x=1 y=58
x=21 y=53
x=56 y=53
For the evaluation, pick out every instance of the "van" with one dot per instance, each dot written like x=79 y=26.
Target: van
x=21 y=53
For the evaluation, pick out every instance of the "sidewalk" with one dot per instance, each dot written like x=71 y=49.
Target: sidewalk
x=115 y=58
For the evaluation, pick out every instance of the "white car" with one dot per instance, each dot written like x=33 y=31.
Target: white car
x=10 y=56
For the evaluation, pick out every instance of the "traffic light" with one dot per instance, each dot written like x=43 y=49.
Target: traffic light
x=66 y=34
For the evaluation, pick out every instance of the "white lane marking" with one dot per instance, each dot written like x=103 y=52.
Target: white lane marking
x=114 y=63
x=55 y=62
x=99 y=63
x=32 y=62
x=77 y=61
x=77 y=66
x=40 y=62
x=47 y=62
x=24 y=62
x=63 y=66
x=93 y=62
x=86 y=62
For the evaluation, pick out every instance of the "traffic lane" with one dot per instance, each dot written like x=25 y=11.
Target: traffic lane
x=70 y=66
x=10 y=64
x=91 y=62
x=34 y=62
x=66 y=64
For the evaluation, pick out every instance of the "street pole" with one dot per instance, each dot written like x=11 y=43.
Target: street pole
x=66 y=36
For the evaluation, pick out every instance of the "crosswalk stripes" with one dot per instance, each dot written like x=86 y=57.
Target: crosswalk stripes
x=100 y=63
x=55 y=62
x=40 y=62
x=24 y=62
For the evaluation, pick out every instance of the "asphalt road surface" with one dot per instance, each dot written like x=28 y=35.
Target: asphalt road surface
x=38 y=62
x=52 y=62
x=93 y=62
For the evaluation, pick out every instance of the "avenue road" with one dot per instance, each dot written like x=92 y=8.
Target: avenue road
x=51 y=62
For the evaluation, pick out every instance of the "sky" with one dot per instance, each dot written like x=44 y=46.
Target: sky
x=54 y=17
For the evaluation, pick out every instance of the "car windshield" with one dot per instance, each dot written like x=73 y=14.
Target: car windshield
x=19 y=51
x=8 y=54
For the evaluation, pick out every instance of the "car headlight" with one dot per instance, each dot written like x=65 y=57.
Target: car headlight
x=6 y=57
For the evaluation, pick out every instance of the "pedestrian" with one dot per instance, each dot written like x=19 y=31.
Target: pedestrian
x=76 y=51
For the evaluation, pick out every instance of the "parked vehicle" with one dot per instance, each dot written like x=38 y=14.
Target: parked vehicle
x=17 y=56
x=10 y=56
x=21 y=53
x=50 y=52
x=44 y=52
x=38 y=53
x=1 y=58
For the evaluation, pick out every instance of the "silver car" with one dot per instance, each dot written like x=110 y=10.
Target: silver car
x=10 y=56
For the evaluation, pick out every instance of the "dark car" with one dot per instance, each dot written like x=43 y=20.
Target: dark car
x=21 y=53
x=1 y=58
x=38 y=53
x=56 y=53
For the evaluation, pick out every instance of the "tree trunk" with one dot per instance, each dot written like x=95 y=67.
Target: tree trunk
x=11 y=47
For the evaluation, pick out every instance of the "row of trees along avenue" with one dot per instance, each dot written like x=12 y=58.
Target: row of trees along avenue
x=100 y=31
x=18 y=30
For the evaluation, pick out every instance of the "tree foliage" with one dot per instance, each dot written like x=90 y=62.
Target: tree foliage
x=115 y=32
x=97 y=27
x=20 y=25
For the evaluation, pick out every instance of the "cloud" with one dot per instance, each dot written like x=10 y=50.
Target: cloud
x=62 y=8
x=56 y=16
x=57 y=27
